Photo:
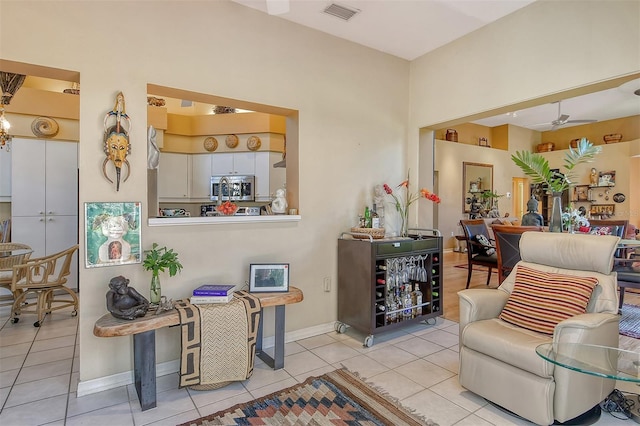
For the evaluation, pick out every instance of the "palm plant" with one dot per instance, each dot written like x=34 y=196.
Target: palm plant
x=537 y=167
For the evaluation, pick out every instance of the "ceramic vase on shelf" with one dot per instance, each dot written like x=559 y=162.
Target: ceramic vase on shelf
x=555 y=220
x=156 y=291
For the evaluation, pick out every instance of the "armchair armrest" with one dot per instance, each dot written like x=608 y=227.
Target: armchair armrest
x=480 y=303
x=590 y=328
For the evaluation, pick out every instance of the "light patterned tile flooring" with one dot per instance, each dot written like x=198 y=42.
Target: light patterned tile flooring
x=417 y=365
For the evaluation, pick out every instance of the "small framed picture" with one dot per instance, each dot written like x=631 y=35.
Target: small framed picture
x=268 y=277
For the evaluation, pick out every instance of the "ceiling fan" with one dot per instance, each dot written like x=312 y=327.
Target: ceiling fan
x=564 y=119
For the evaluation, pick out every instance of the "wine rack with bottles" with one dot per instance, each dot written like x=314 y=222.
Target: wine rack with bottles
x=388 y=283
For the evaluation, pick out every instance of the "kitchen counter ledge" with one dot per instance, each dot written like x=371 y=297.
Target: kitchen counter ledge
x=220 y=220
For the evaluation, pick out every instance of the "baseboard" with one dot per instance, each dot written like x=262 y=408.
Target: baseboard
x=100 y=384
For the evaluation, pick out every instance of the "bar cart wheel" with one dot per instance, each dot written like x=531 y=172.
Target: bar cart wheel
x=340 y=327
x=430 y=321
x=368 y=341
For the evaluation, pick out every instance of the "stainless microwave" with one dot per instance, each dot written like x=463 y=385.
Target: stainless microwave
x=234 y=187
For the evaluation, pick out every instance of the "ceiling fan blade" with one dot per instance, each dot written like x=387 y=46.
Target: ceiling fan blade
x=582 y=121
x=277 y=7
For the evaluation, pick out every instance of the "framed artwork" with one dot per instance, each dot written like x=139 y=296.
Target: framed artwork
x=269 y=277
x=607 y=178
x=581 y=193
x=112 y=234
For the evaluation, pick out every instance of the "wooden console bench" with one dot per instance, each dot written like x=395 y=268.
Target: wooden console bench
x=144 y=339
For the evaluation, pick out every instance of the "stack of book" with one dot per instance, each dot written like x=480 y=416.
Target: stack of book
x=212 y=293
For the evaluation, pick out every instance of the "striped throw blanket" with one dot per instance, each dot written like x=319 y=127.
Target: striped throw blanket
x=218 y=341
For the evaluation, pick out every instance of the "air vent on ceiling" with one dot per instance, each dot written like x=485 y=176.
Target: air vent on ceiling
x=341 y=12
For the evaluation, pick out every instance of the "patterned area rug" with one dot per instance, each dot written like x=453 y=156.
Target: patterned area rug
x=336 y=398
x=630 y=321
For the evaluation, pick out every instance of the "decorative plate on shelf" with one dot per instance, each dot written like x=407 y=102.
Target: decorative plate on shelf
x=231 y=141
x=619 y=197
x=210 y=144
x=253 y=143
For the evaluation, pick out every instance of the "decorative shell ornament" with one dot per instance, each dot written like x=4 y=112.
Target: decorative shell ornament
x=253 y=143
x=231 y=141
x=210 y=144
x=45 y=127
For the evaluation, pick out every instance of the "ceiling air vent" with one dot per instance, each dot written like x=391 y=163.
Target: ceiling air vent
x=341 y=12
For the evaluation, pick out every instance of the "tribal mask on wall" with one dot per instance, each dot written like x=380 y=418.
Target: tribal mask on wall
x=116 y=140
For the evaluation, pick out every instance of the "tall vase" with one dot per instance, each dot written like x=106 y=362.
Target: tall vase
x=404 y=225
x=555 y=221
x=156 y=291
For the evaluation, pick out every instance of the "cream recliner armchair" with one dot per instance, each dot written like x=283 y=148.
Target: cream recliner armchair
x=498 y=359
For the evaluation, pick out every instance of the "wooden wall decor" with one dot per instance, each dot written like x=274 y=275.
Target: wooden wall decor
x=116 y=140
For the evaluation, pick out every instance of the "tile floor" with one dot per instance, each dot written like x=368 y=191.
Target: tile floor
x=418 y=365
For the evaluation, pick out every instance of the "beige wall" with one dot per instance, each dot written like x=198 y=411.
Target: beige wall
x=614 y=157
x=351 y=100
x=515 y=60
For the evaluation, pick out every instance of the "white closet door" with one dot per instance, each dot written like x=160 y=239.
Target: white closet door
x=5 y=173
x=62 y=178
x=28 y=177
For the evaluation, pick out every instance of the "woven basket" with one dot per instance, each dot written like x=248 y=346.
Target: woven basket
x=376 y=233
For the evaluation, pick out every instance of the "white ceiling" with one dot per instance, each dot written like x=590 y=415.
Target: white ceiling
x=403 y=28
x=410 y=28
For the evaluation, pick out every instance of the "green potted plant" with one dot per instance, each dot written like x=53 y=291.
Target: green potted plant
x=537 y=167
x=157 y=260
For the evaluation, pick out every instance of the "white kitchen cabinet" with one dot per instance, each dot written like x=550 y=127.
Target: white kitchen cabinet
x=174 y=175
x=44 y=203
x=268 y=178
x=5 y=174
x=236 y=163
x=201 y=176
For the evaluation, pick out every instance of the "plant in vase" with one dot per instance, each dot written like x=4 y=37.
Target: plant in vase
x=402 y=202
x=537 y=167
x=157 y=260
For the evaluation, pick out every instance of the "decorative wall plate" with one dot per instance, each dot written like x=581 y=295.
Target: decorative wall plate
x=253 y=143
x=231 y=141
x=45 y=127
x=619 y=197
x=210 y=144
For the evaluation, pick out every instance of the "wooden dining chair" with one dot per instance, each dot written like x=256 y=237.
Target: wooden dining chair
x=508 y=246
x=44 y=277
x=476 y=254
x=628 y=274
x=7 y=261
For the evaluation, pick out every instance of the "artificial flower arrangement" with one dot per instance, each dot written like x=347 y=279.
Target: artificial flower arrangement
x=402 y=202
x=574 y=220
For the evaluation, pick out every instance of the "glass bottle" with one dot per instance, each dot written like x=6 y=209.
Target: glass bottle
x=399 y=305
x=367 y=217
x=417 y=301
x=392 y=306
x=375 y=219
x=407 y=312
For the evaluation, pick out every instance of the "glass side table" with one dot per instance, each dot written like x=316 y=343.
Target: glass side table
x=601 y=361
